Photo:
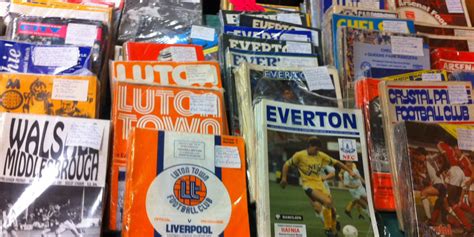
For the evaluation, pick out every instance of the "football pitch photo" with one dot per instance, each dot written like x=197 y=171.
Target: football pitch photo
x=293 y=201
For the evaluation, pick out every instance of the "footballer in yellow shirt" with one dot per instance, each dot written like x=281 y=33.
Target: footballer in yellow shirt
x=309 y=163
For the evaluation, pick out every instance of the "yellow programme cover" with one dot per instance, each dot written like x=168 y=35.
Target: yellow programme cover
x=68 y=96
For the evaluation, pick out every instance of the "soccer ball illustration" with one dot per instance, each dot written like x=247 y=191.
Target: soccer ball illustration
x=349 y=231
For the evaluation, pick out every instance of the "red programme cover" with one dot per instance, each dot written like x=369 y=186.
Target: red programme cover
x=438 y=12
x=138 y=51
x=451 y=60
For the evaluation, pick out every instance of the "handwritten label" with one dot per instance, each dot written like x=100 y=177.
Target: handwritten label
x=68 y=89
x=205 y=104
x=454 y=6
x=201 y=32
x=465 y=139
x=457 y=94
x=85 y=134
x=56 y=56
x=183 y=54
x=199 y=74
x=431 y=77
x=81 y=34
x=289 y=18
x=293 y=37
x=298 y=47
x=395 y=26
x=412 y=46
x=227 y=157
x=318 y=78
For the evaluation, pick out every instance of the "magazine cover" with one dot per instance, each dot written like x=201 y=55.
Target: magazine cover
x=167 y=22
x=434 y=102
x=290 y=84
x=140 y=51
x=359 y=11
x=435 y=12
x=184 y=184
x=312 y=171
x=18 y=57
x=262 y=23
x=235 y=57
x=198 y=74
x=194 y=110
x=437 y=172
x=68 y=96
x=265 y=45
x=47 y=8
x=368 y=23
x=376 y=54
x=231 y=18
x=291 y=35
x=62 y=31
x=367 y=99
x=380 y=54
x=451 y=61
x=53 y=175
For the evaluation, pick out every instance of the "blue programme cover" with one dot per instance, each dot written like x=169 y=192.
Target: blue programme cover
x=293 y=35
x=367 y=23
x=23 y=57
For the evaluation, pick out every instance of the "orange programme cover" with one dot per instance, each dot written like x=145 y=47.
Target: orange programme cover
x=140 y=51
x=194 y=110
x=68 y=96
x=184 y=184
x=196 y=74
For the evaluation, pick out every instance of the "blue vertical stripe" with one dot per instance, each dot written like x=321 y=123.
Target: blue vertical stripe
x=161 y=150
x=218 y=170
x=159 y=163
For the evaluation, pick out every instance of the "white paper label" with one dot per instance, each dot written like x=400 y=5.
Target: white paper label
x=227 y=157
x=300 y=62
x=67 y=89
x=412 y=46
x=318 y=78
x=205 y=104
x=454 y=6
x=348 y=149
x=289 y=18
x=315 y=36
x=81 y=34
x=465 y=139
x=459 y=32
x=56 y=56
x=183 y=54
x=298 y=47
x=294 y=37
x=431 y=77
x=457 y=94
x=470 y=45
x=85 y=134
x=290 y=230
x=395 y=26
x=199 y=74
x=190 y=150
x=201 y=32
